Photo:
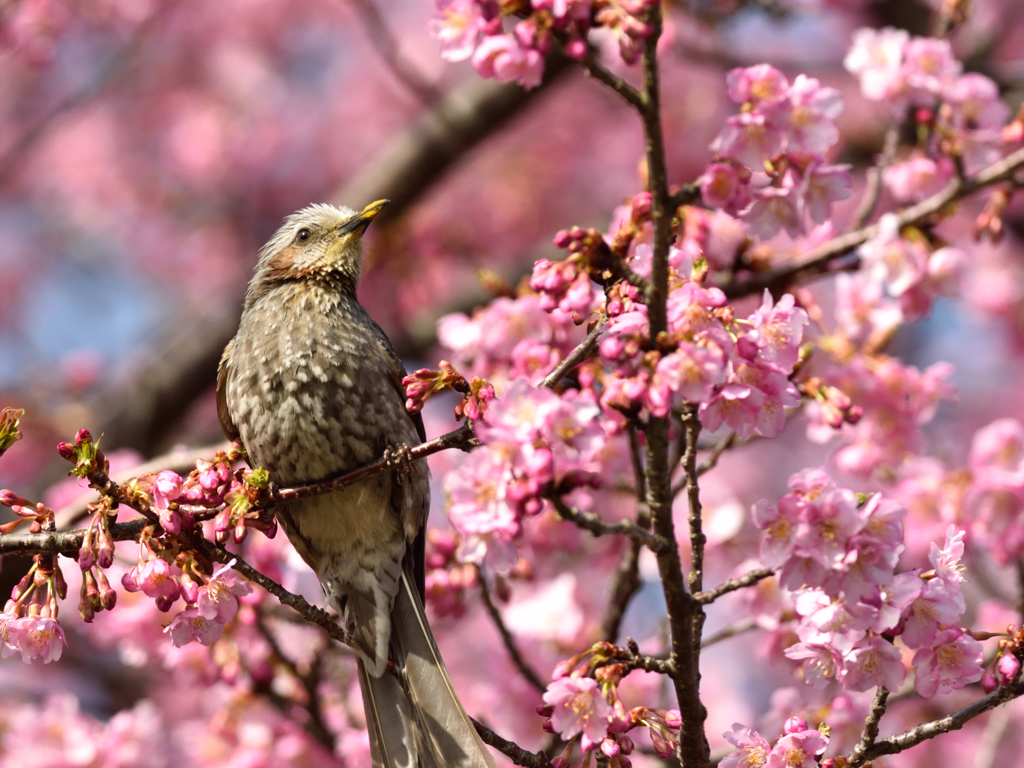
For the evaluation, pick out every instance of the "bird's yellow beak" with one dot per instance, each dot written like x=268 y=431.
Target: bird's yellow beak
x=361 y=220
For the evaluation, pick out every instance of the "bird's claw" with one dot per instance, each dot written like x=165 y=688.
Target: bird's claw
x=399 y=458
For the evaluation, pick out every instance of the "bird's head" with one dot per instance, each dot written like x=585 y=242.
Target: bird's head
x=318 y=242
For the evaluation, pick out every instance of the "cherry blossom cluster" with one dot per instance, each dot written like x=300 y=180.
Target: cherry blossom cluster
x=798 y=747
x=838 y=554
x=986 y=496
x=535 y=442
x=509 y=338
x=583 y=706
x=894 y=400
x=28 y=623
x=769 y=166
x=737 y=370
x=474 y=29
x=448 y=581
x=908 y=268
x=420 y=385
x=958 y=115
x=211 y=602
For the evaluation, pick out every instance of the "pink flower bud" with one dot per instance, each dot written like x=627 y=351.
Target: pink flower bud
x=576 y=49
x=641 y=207
x=1007 y=668
x=545 y=710
x=130 y=580
x=794 y=725
x=563 y=238
x=83 y=436
x=610 y=747
x=672 y=719
x=988 y=681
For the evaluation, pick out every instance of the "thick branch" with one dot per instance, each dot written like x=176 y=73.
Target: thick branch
x=65 y=542
x=858 y=757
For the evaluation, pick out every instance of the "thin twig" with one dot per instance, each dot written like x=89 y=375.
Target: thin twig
x=65 y=542
x=875 y=173
x=594 y=69
x=870 y=734
x=510 y=749
x=731 y=631
x=584 y=351
x=461 y=438
x=746 y=580
x=627 y=575
x=821 y=259
x=387 y=48
x=953 y=722
x=315 y=725
x=591 y=522
x=506 y=636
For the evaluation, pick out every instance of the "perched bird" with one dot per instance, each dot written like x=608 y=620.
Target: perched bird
x=313 y=388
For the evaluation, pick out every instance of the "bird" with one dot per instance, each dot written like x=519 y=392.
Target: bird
x=312 y=387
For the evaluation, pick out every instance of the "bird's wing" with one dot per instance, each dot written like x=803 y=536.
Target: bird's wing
x=223 y=371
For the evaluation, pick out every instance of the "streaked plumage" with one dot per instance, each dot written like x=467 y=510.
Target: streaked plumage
x=313 y=388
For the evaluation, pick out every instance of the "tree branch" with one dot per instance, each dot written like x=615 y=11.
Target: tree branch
x=858 y=756
x=506 y=636
x=821 y=259
x=627 y=576
x=510 y=749
x=584 y=351
x=953 y=722
x=591 y=522
x=746 y=580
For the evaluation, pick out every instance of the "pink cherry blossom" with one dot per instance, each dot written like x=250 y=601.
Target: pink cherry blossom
x=722 y=186
x=458 y=26
x=217 y=600
x=156 y=581
x=749 y=138
x=191 y=625
x=797 y=750
x=929 y=64
x=807 y=115
x=873 y=663
x=775 y=209
x=35 y=637
x=777 y=329
x=892 y=260
x=759 y=84
x=504 y=59
x=952 y=661
x=751 y=748
x=876 y=56
x=917 y=178
x=579 y=707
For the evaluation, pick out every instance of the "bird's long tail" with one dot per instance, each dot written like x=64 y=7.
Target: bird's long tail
x=414 y=718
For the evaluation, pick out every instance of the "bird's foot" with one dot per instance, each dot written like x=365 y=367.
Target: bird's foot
x=399 y=458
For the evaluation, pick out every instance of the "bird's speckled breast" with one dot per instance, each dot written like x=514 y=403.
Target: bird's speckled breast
x=311 y=387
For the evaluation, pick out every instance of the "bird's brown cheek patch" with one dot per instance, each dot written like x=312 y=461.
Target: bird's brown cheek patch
x=283 y=263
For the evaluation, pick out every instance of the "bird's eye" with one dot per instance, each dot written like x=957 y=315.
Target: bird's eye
x=304 y=234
